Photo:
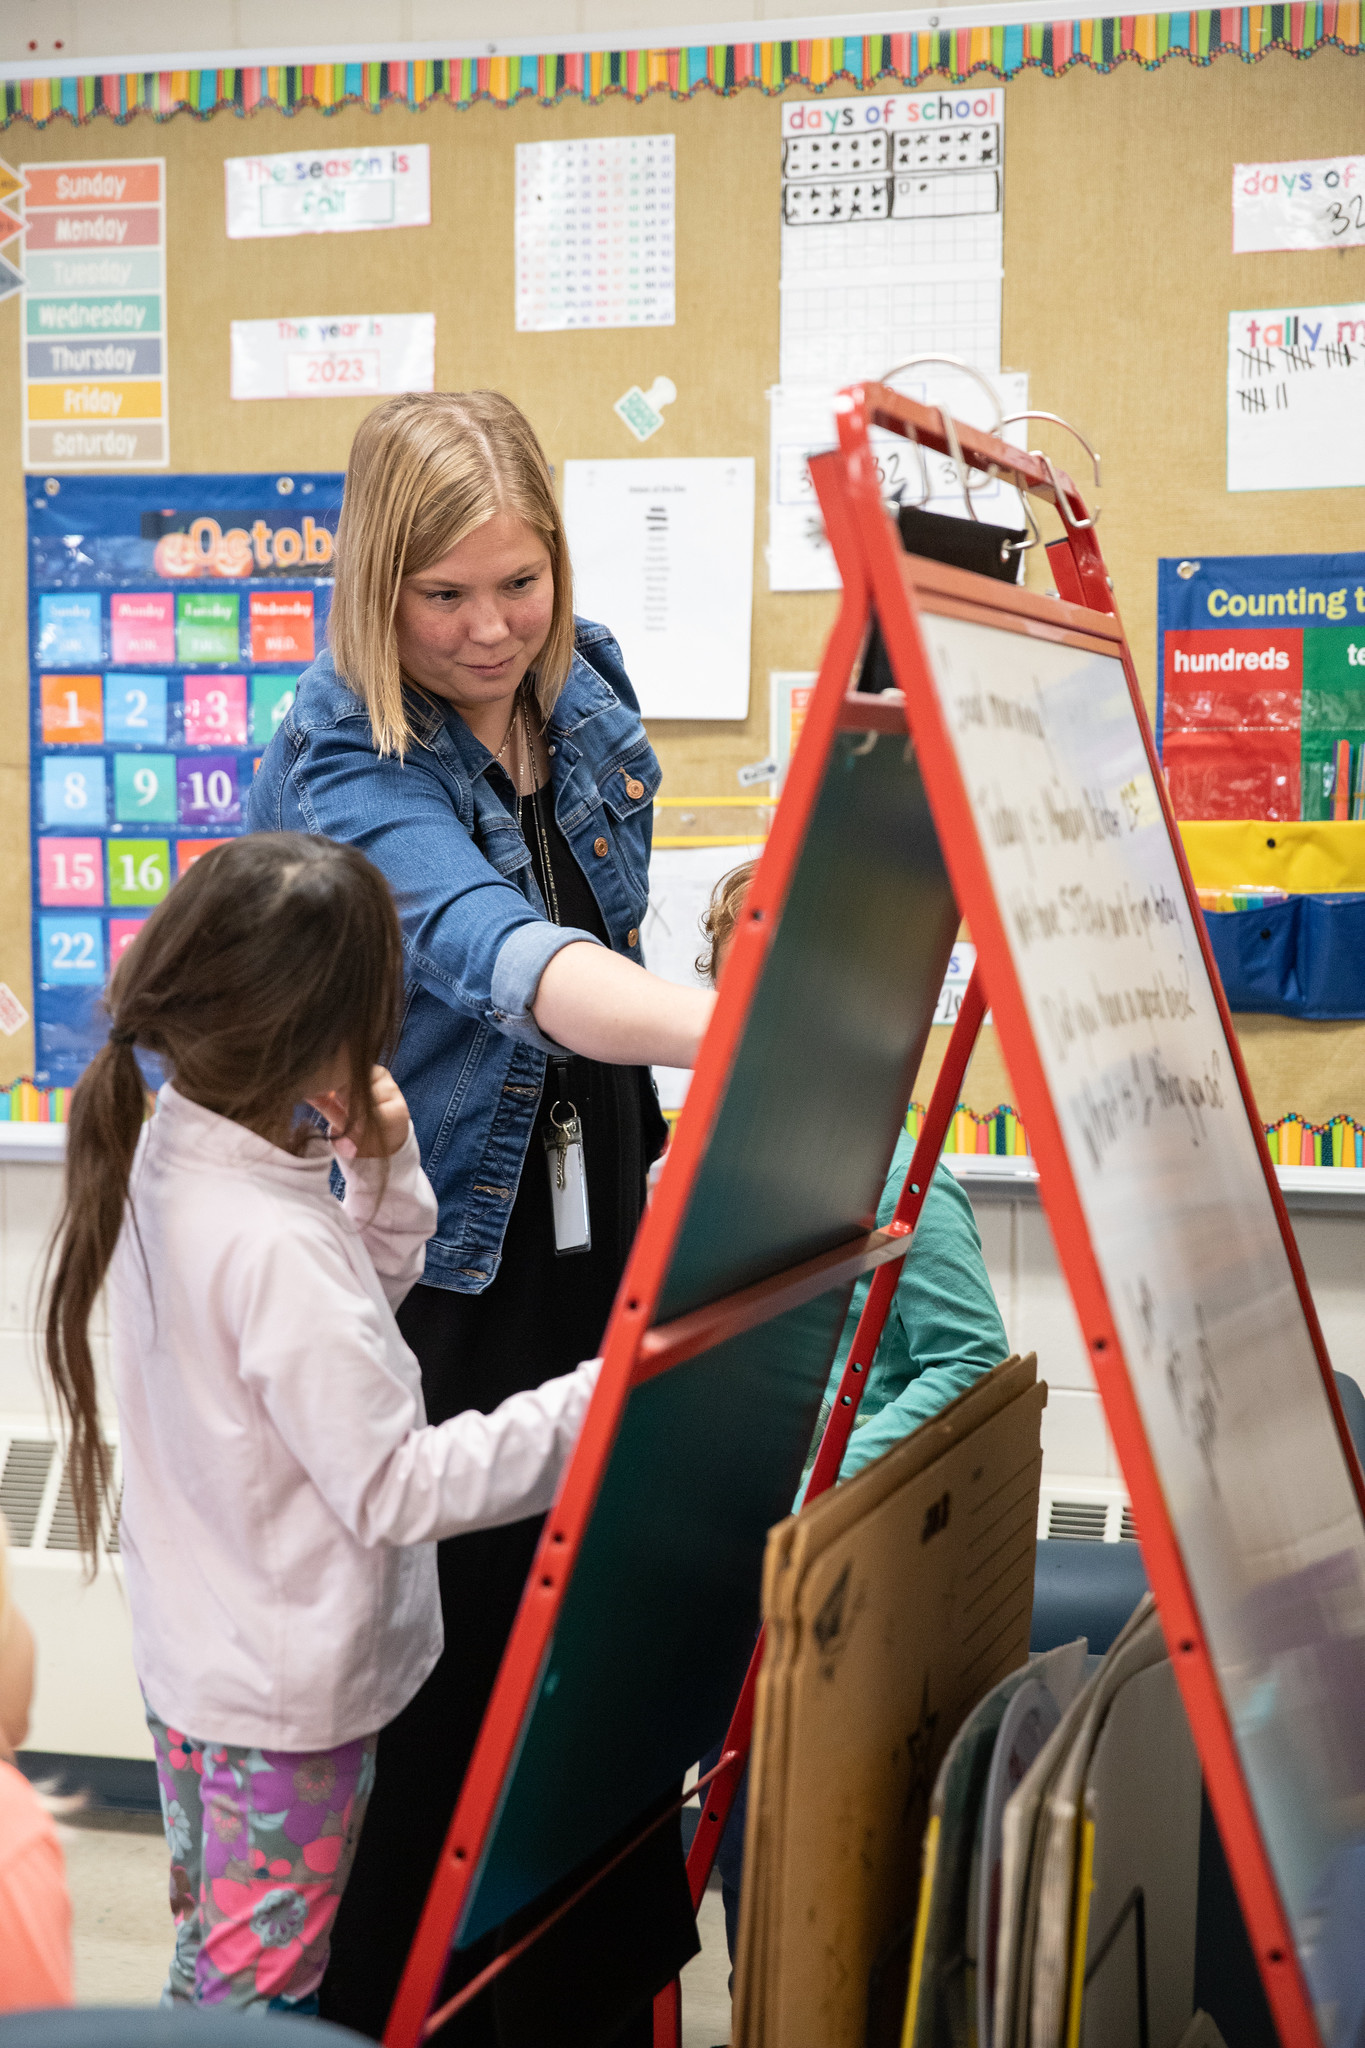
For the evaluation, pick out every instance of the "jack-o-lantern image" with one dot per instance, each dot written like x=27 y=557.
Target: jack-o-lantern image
x=177 y=555
x=232 y=556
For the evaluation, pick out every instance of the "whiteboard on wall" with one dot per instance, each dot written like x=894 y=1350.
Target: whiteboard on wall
x=1180 y=1220
x=663 y=553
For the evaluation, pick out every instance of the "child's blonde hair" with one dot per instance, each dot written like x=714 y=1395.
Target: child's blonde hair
x=427 y=470
x=722 y=915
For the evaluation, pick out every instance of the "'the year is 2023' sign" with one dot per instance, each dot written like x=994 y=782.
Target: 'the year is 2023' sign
x=169 y=621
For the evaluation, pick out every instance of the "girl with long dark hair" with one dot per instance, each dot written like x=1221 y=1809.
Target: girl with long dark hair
x=281 y=1487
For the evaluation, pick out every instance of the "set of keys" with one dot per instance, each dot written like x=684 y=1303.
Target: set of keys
x=568 y=1180
x=568 y=1133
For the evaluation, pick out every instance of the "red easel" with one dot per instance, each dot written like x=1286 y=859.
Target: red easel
x=878 y=577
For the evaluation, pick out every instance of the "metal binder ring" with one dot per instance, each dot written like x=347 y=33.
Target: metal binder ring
x=964 y=477
x=1063 y=501
x=1091 y=519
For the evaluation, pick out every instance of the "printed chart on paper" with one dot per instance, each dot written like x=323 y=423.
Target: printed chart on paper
x=892 y=246
x=595 y=233
x=892 y=233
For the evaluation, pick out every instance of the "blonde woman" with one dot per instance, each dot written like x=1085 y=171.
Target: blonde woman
x=484 y=748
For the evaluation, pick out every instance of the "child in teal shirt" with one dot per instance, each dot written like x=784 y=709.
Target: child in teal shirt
x=943 y=1328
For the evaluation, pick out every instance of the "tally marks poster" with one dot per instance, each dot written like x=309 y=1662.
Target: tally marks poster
x=169 y=620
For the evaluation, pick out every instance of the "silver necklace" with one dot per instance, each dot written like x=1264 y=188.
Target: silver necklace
x=511 y=728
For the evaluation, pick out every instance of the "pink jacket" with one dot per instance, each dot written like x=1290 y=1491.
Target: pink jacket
x=282 y=1490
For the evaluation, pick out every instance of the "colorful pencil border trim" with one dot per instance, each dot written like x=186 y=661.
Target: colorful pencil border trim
x=867 y=62
x=1293 y=1141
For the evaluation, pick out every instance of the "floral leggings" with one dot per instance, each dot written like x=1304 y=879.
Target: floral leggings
x=261 y=1844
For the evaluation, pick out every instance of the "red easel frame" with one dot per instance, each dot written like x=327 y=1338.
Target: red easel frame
x=877 y=575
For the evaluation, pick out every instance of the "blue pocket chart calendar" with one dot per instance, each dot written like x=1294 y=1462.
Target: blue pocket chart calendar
x=160 y=668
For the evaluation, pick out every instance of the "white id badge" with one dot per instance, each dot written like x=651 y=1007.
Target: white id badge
x=568 y=1185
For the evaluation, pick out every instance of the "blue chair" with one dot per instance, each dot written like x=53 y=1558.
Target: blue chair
x=1084 y=1589
x=1353 y=1408
x=153 y=2026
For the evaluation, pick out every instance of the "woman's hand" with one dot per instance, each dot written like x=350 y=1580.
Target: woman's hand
x=391 y=1124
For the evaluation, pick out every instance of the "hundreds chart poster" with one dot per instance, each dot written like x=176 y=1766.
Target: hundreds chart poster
x=169 y=621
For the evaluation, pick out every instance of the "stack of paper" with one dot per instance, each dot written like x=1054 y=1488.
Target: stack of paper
x=1083 y=1890
x=960 y=1889
x=892 y=1605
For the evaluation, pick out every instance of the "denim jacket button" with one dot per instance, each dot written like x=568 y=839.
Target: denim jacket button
x=632 y=937
x=634 y=790
x=599 y=847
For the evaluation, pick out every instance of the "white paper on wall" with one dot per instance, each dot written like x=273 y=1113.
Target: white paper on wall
x=892 y=232
x=594 y=229
x=681 y=879
x=339 y=356
x=1311 y=203
x=1296 y=399
x=328 y=191
x=789 y=695
x=663 y=553
x=802 y=423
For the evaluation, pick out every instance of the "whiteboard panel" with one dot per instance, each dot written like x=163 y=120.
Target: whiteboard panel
x=1187 y=1242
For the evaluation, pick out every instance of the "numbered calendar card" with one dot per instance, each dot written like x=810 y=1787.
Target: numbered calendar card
x=169 y=620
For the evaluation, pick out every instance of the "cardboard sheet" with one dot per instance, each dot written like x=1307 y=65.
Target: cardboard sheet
x=893 y=1605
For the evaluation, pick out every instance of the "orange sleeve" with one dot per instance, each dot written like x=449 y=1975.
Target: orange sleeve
x=35 y=1926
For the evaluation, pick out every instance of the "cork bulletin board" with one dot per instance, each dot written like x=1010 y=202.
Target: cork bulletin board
x=1119 y=277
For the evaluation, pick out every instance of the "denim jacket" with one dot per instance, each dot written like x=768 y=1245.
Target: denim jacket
x=441 y=825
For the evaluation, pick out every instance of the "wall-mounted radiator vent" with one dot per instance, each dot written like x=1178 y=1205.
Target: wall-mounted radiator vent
x=1080 y=1521
x=1085 y=1511
x=23 y=1482
x=36 y=1497
x=61 y=1530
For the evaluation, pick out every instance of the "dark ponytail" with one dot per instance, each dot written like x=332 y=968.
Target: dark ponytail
x=269 y=955
x=107 y=1112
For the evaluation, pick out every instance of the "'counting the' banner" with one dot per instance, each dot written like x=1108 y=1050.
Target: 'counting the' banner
x=1261 y=705
x=169 y=620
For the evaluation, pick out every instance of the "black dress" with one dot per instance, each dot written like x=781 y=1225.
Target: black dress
x=590 y=1980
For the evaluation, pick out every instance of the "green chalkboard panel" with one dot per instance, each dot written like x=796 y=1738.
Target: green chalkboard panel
x=838 y=1024
x=658 y=1620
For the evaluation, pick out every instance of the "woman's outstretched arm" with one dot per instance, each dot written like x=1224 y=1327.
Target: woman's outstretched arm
x=607 y=1008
